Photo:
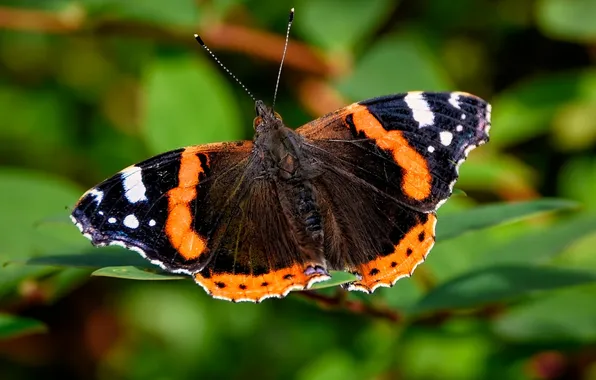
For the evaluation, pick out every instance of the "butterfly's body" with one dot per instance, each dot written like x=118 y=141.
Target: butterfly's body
x=355 y=190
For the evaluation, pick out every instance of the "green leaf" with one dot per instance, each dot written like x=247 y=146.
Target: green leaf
x=94 y=258
x=501 y=173
x=12 y=326
x=565 y=315
x=188 y=102
x=136 y=273
x=456 y=224
x=337 y=278
x=538 y=246
x=527 y=110
x=340 y=24
x=578 y=180
x=497 y=284
x=568 y=19
x=397 y=63
x=574 y=126
x=22 y=235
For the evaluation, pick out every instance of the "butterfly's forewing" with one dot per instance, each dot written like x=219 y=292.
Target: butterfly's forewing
x=407 y=145
x=157 y=207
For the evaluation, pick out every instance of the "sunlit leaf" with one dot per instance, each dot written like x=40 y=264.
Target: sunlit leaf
x=577 y=180
x=568 y=19
x=499 y=173
x=395 y=64
x=340 y=24
x=188 y=102
x=527 y=110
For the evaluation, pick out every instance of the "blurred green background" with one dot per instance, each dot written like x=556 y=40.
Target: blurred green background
x=88 y=87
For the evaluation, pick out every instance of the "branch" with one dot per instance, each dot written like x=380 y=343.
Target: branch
x=235 y=38
x=356 y=307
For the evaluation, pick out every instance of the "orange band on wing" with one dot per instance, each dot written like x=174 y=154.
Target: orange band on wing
x=408 y=253
x=417 y=181
x=178 y=226
x=243 y=287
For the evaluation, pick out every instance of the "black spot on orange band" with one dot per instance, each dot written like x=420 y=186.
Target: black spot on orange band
x=246 y=287
x=407 y=254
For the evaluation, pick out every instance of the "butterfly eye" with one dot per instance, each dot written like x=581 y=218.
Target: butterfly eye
x=258 y=120
x=277 y=116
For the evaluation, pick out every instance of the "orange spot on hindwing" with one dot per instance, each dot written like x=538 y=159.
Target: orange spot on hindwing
x=178 y=227
x=417 y=179
x=410 y=251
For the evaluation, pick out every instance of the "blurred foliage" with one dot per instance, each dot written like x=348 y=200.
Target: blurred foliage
x=88 y=87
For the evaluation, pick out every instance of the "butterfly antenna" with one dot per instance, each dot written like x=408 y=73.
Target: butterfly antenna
x=200 y=41
x=283 y=57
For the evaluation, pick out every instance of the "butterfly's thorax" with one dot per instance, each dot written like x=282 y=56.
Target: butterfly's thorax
x=279 y=151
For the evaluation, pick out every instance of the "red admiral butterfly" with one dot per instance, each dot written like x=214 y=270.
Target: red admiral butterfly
x=355 y=190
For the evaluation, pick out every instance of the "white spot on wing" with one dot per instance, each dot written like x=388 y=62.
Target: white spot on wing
x=463 y=116
x=132 y=181
x=76 y=223
x=131 y=221
x=459 y=128
x=454 y=100
x=112 y=220
x=431 y=148
x=152 y=223
x=96 y=194
x=420 y=109
x=446 y=137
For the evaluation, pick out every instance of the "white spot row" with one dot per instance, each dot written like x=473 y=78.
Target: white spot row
x=420 y=109
x=132 y=182
x=131 y=221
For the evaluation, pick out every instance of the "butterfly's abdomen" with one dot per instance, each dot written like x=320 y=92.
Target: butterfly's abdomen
x=308 y=209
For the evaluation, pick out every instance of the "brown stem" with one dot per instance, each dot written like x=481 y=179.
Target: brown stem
x=355 y=307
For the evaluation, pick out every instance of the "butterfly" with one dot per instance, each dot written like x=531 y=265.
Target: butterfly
x=355 y=190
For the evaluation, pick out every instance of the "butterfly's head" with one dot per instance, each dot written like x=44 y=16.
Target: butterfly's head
x=267 y=119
